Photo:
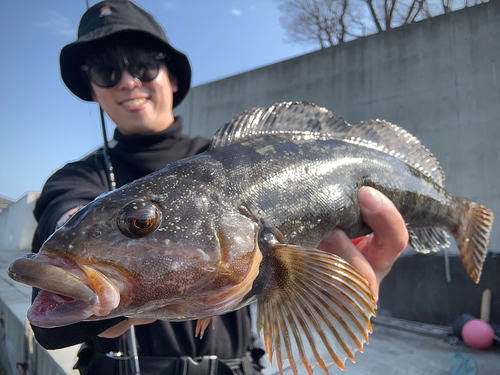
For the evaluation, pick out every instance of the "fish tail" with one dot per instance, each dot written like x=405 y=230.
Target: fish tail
x=472 y=239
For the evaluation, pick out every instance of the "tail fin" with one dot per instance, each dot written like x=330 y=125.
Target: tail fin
x=473 y=241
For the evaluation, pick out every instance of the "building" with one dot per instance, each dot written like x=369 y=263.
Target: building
x=17 y=223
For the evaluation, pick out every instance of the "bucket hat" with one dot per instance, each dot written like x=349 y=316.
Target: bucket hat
x=111 y=19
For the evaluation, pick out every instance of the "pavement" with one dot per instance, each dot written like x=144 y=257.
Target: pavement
x=417 y=350
x=397 y=347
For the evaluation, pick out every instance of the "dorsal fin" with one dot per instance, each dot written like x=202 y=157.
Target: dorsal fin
x=306 y=118
x=399 y=143
x=291 y=118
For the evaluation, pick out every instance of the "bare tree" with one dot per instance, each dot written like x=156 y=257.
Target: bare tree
x=330 y=22
x=387 y=14
x=327 y=22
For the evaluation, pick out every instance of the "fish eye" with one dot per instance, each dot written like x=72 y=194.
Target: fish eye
x=139 y=218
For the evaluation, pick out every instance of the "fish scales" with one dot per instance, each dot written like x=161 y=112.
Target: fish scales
x=309 y=187
x=241 y=222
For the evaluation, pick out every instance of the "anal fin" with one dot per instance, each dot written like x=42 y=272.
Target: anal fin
x=428 y=239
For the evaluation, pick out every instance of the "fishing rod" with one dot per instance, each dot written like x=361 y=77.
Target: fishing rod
x=105 y=150
x=127 y=342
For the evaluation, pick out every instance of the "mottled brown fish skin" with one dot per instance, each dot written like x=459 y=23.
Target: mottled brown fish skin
x=203 y=242
x=306 y=187
x=241 y=222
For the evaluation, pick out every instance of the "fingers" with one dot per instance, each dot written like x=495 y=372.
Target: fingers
x=374 y=255
x=66 y=216
x=336 y=242
x=116 y=331
x=122 y=327
x=390 y=236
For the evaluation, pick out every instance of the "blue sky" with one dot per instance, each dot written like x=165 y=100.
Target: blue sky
x=43 y=126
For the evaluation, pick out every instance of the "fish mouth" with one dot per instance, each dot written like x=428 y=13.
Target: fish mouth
x=69 y=292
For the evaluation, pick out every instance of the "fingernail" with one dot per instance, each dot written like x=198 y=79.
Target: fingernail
x=372 y=200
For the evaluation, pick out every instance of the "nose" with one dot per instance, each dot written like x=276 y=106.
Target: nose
x=128 y=82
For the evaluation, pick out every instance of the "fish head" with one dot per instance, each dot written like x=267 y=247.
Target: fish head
x=123 y=256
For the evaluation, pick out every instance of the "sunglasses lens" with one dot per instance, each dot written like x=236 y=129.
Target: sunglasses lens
x=105 y=75
x=145 y=70
x=108 y=75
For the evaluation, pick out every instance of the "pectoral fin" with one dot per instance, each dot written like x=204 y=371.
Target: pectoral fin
x=317 y=309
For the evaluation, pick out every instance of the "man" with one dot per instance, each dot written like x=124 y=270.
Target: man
x=123 y=60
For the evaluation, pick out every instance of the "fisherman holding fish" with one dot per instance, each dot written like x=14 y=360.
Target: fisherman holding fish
x=123 y=61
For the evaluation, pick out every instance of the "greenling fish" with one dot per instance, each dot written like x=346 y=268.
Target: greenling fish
x=241 y=223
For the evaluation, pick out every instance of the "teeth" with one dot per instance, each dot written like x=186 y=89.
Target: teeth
x=134 y=102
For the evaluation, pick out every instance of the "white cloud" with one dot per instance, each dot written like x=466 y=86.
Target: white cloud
x=58 y=24
x=236 y=12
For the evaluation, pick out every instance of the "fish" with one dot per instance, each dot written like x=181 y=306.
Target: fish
x=241 y=223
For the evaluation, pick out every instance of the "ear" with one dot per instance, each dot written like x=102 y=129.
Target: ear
x=174 y=85
x=91 y=89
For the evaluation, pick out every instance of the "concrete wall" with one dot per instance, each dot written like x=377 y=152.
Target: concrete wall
x=17 y=223
x=416 y=289
x=438 y=78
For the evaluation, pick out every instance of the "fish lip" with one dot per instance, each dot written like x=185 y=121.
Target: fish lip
x=70 y=292
x=51 y=278
x=48 y=311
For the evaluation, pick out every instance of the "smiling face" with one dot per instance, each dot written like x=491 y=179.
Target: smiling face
x=136 y=106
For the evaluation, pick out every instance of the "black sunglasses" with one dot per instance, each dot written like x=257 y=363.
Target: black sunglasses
x=107 y=75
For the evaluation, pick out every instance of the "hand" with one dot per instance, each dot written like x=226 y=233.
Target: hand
x=122 y=327
x=67 y=215
x=373 y=255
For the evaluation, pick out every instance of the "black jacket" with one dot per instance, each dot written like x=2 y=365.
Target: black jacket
x=80 y=182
